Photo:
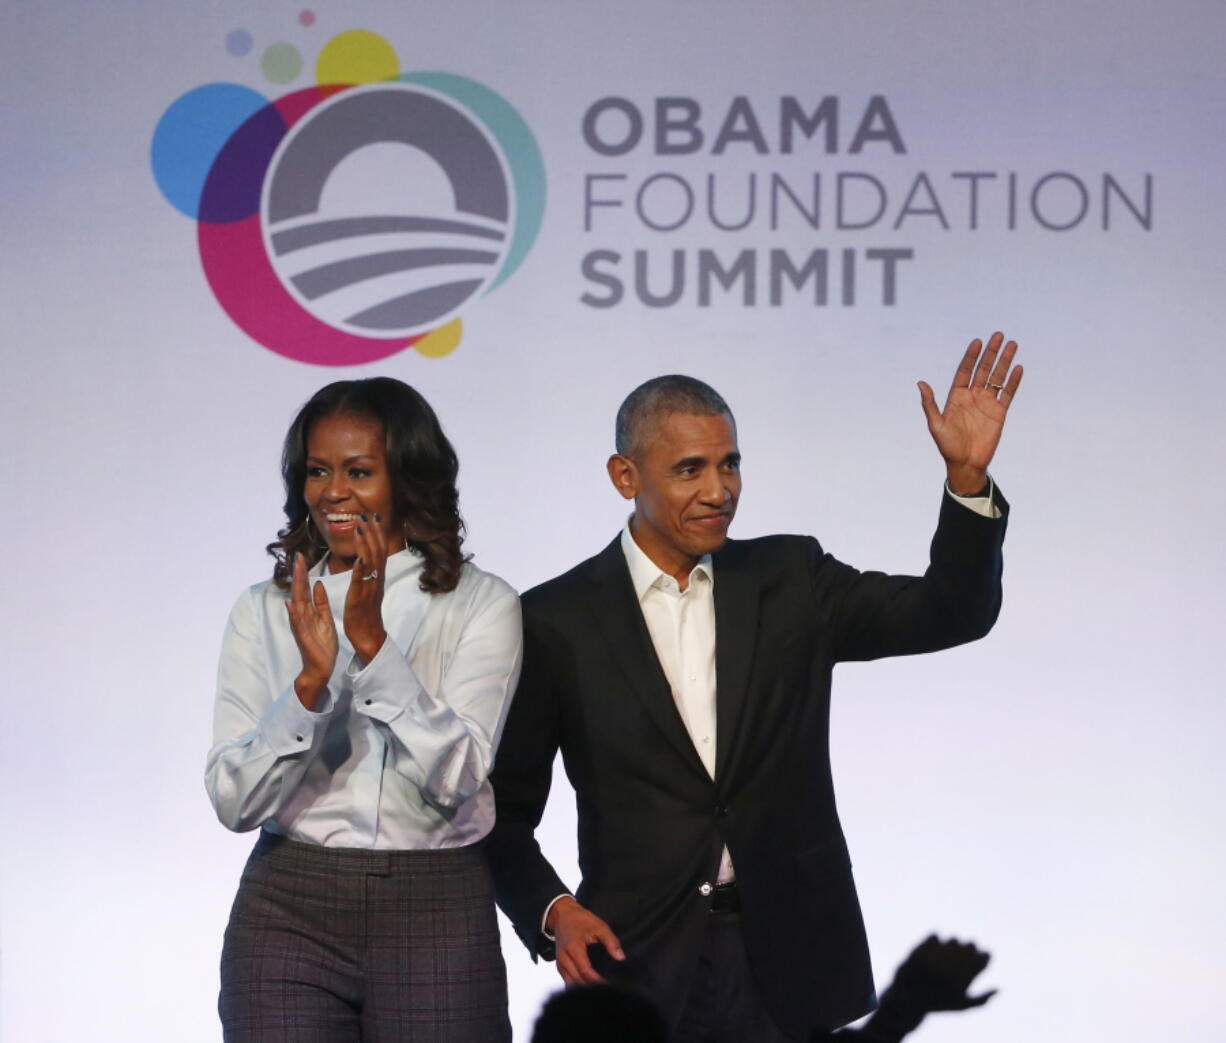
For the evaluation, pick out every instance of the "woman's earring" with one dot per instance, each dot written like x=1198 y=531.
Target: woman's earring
x=313 y=534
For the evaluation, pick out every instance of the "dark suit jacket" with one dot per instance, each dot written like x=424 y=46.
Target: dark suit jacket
x=652 y=822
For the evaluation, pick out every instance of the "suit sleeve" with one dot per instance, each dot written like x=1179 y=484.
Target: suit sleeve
x=524 y=881
x=956 y=600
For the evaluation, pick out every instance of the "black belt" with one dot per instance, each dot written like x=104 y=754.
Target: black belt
x=726 y=898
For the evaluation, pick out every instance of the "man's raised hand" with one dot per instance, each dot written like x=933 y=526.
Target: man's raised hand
x=968 y=429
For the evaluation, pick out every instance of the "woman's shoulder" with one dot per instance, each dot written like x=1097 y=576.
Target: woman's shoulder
x=480 y=586
x=253 y=600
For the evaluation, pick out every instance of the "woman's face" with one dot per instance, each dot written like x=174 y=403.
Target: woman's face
x=346 y=476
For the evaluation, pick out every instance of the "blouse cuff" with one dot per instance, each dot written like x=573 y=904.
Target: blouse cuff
x=289 y=727
x=385 y=687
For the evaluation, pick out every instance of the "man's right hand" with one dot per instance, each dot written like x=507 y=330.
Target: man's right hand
x=574 y=928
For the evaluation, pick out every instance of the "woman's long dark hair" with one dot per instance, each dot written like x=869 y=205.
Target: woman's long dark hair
x=421 y=463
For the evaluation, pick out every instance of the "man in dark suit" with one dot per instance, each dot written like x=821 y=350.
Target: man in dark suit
x=686 y=679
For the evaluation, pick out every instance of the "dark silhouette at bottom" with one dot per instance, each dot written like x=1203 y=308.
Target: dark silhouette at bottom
x=599 y=1014
x=936 y=976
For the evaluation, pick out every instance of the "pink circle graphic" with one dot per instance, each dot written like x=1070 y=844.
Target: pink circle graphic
x=236 y=263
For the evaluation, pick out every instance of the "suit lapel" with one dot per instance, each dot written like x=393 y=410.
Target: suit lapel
x=620 y=622
x=736 y=631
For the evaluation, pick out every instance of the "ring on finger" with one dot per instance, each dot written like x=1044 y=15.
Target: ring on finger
x=374 y=574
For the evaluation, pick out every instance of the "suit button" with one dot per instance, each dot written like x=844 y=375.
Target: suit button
x=721 y=810
x=705 y=889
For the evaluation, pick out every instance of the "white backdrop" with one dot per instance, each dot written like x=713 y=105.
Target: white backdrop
x=1053 y=792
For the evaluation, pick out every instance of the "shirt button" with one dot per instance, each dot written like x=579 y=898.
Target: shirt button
x=705 y=889
x=298 y=737
x=367 y=702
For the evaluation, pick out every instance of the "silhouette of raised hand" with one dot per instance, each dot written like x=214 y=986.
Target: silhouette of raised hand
x=935 y=976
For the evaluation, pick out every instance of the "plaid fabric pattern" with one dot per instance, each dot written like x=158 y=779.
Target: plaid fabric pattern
x=337 y=945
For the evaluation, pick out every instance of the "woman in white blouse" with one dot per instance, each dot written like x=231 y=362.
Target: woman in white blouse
x=360 y=698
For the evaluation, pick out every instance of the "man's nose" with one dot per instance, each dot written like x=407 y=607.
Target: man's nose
x=714 y=489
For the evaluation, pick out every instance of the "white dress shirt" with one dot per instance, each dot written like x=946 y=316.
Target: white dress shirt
x=682 y=628
x=398 y=753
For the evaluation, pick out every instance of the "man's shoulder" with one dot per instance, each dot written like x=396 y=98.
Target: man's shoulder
x=764 y=551
x=573 y=581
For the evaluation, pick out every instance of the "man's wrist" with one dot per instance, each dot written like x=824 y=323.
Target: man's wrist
x=550 y=918
x=968 y=481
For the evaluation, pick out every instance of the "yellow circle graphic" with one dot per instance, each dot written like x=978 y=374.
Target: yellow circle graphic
x=442 y=341
x=356 y=56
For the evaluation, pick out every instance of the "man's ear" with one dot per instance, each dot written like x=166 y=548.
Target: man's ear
x=624 y=475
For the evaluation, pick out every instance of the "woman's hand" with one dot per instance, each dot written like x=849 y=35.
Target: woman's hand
x=310 y=618
x=364 y=602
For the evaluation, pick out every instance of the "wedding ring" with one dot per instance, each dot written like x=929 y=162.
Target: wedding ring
x=997 y=387
x=370 y=575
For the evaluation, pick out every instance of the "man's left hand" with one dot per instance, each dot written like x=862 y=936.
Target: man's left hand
x=968 y=429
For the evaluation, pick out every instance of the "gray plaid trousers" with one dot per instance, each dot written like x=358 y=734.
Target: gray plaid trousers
x=339 y=945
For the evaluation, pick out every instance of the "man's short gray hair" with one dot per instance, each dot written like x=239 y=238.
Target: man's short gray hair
x=649 y=402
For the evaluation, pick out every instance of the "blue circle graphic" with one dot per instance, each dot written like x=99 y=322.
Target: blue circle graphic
x=239 y=42
x=191 y=134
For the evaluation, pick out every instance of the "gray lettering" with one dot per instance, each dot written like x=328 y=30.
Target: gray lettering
x=933 y=209
x=782 y=268
x=792 y=116
x=687 y=195
x=889 y=259
x=673 y=295
x=677 y=130
x=611 y=282
x=709 y=268
x=1144 y=217
x=740 y=124
x=811 y=217
x=973 y=178
x=877 y=124
x=590 y=202
x=1079 y=188
x=634 y=128
x=842 y=221
x=751 y=206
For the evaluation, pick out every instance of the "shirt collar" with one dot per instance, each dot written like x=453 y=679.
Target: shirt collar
x=645 y=573
x=401 y=562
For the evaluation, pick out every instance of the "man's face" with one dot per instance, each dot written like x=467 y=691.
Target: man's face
x=685 y=482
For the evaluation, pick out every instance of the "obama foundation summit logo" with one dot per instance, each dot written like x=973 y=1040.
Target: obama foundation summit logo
x=346 y=221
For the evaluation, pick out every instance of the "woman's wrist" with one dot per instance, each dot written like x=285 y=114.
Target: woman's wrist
x=368 y=648
x=310 y=689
